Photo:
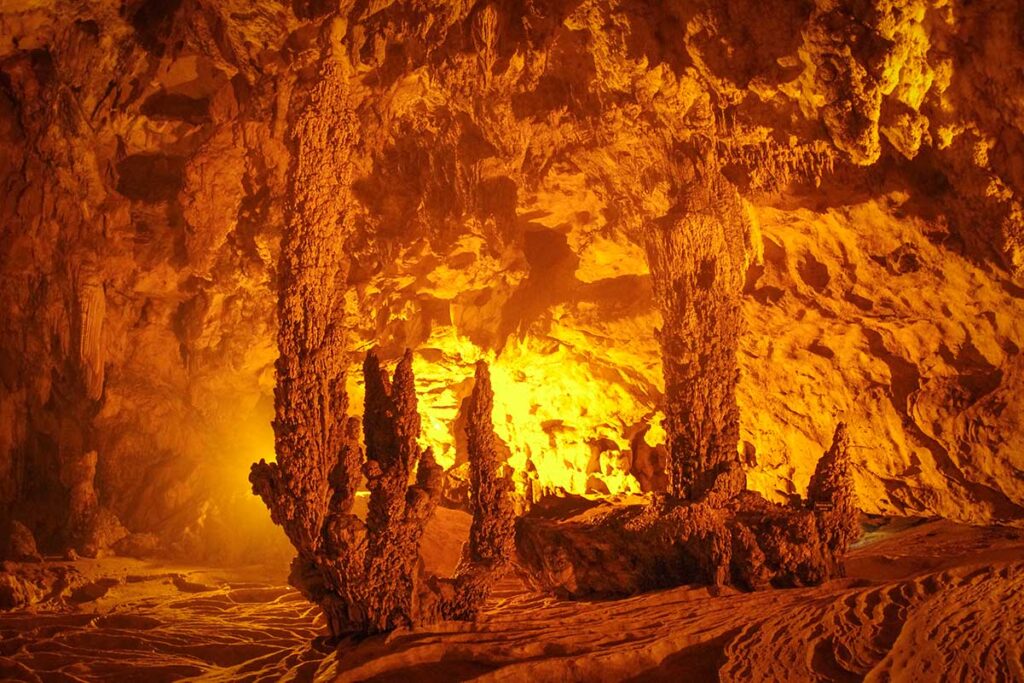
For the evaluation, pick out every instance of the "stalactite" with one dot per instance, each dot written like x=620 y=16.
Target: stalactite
x=485 y=38
x=770 y=166
x=91 y=313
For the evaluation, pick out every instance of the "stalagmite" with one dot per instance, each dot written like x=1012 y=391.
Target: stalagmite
x=832 y=495
x=366 y=576
x=589 y=549
x=309 y=397
x=709 y=528
x=697 y=266
x=491 y=537
x=675 y=242
x=398 y=512
x=20 y=544
x=78 y=477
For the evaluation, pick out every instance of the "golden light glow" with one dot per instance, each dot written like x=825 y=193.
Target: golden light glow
x=569 y=335
x=559 y=407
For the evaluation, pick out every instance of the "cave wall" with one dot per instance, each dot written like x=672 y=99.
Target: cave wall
x=137 y=269
x=507 y=159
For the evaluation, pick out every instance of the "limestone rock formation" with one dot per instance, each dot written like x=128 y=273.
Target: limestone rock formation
x=398 y=512
x=579 y=548
x=697 y=256
x=21 y=544
x=708 y=529
x=487 y=554
x=831 y=492
x=491 y=173
x=366 y=575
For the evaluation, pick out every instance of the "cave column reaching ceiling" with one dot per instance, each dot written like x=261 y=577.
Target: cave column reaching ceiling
x=696 y=254
x=310 y=399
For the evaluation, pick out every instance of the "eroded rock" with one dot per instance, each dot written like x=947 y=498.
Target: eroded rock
x=147 y=189
x=21 y=544
x=578 y=548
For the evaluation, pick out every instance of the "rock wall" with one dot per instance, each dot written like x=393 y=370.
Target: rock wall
x=510 y=156
x=139 y=244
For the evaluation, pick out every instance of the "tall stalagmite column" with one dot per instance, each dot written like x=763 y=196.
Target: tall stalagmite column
x=311 y=486
x=398 y=512
x=366 y=577
x=833 y=496
x=696 y=255
x=309 y=399
x=492 y=535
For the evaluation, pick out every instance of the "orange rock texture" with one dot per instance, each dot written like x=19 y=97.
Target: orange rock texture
x=367 y=575
x=487 y=180
x=581 y=548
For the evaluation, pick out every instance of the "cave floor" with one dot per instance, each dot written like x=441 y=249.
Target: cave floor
x=923 y=600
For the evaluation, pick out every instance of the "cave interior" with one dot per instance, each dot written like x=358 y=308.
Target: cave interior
x=512 y=339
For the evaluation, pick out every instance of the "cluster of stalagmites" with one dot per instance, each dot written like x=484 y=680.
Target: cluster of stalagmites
x=708 y=528
x=579 y=548
x=366 y=575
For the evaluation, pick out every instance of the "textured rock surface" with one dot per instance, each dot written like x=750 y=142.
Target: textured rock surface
x=502 y=162
x=366 y=574
x=579 y=548
x=491 y=546
x=21 y=544
x=920 y=596
x=697 y=265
